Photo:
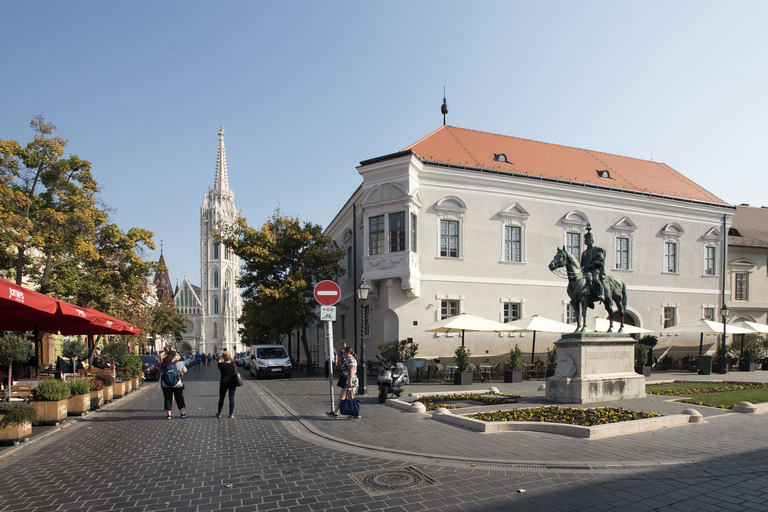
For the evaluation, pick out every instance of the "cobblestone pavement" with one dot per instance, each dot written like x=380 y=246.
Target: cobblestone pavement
x=282 y=453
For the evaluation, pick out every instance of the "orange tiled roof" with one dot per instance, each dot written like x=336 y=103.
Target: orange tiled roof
x=750 y=227
x=462 y=147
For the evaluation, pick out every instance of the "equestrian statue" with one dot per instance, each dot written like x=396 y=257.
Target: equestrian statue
x=588 y=284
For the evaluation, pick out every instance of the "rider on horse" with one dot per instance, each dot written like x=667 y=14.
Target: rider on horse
x=593 y=266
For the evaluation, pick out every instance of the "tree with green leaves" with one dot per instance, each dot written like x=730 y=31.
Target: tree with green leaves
x=282 y=261
x=167 y=320
x=13 y=348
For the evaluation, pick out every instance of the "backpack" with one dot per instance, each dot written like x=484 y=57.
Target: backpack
x=171 y=376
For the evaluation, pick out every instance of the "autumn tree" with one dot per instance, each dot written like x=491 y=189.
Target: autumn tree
x=282 y=261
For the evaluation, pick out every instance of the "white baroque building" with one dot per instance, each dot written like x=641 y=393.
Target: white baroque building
x=213 y=308
x=467 y=221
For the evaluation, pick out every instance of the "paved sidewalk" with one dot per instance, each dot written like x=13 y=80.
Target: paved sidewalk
x=282 y=453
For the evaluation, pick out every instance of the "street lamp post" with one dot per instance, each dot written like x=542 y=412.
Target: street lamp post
x=724 y=358
x=362 y=294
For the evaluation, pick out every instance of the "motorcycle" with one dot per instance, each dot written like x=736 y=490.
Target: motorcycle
x=391 y=379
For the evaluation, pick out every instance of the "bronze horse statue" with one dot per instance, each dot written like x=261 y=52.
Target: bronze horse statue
x=582 y=298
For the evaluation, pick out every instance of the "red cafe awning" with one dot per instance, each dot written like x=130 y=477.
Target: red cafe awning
x=27 y=309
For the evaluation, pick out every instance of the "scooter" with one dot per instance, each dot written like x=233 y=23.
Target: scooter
x=391 y=379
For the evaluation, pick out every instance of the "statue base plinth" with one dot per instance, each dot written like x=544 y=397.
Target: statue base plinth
x=595 y=367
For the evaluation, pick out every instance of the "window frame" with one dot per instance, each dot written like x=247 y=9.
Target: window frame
x=446 y=308
x=447 y=252
x=378 y=236
x=622 y=254
x=708 y=260
x=569 y=245
x=396 y=235
x=669 y=316
x=741 y=286
x=674 y=268
x=507 y=316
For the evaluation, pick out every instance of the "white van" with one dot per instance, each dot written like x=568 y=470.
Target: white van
x=269 y=360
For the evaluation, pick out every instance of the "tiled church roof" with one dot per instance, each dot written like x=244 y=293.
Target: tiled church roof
x=473 y=149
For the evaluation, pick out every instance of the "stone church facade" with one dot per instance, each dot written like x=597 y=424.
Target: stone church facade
x=213 y=308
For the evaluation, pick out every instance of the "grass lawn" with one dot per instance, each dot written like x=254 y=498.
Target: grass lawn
x=713 y=394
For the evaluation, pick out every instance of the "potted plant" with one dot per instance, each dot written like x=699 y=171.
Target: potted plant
x=748 y=361
x=16 y=420
x=50 y=401
x=132 y=365
x=107 y=380
x=97 y=393
x=514 y=366
x=551 y=361
x=641 y=358
x=79 y=401
x=462 y=376
x=119 y=386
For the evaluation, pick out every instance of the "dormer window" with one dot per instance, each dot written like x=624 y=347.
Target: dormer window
x=501 y=158
x=604 y=174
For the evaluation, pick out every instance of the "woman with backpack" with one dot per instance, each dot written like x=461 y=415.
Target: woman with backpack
x=228 y=382
x=171 y=371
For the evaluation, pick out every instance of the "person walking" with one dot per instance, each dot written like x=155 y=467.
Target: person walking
x=198 y=359
x=209 y=358
x=348 y=381
x=172 y=383
x=330 y=364
x=228 y=382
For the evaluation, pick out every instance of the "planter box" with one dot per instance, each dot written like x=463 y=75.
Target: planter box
x=15 y=432
x=50 y=412
x=128 y=384
x=136 y=382
x=97 y=398
x=645 y=371
x=462 y=379
x=118 y=389
x=513 y=375
x=79 y=404
x=747 y=367
x=108 y=393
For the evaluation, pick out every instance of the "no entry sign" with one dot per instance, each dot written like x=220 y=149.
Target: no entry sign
x=327 y=293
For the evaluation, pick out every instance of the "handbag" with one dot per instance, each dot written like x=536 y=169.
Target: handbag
x=350 y=407
x=238 y=378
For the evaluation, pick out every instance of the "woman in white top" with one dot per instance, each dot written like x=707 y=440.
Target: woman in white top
x=348 y=378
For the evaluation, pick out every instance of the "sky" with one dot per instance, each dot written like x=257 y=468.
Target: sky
x=306 y=90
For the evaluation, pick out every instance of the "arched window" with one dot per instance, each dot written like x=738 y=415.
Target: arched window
x=215 y=251
x=215 y=305
x=215 y=278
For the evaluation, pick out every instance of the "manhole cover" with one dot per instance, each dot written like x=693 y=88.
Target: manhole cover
x=290 y=471
x=393 y=480
x=258 y=477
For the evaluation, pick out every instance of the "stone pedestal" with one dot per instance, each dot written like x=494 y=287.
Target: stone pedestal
x=595 y=367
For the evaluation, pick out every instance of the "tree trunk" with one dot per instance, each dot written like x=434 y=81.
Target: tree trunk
x=19 y=265
x=306 y=350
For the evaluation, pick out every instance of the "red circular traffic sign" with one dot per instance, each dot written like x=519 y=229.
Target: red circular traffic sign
x=327 y=293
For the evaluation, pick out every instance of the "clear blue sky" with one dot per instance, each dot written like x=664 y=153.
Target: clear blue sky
x=307 y=90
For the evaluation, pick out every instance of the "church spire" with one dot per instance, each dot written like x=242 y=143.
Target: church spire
x=221 y=182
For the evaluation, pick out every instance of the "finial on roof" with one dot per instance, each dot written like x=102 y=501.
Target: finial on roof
x=161 y=248
x=444 y=108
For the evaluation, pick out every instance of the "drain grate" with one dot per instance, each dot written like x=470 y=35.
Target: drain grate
x=258 y=477
x=386 y=481
x=290 y=471
x=548 y=467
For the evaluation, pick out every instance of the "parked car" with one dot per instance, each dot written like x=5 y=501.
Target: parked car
x=149 y=367
x=189 y=359
x=243 y=358
x=269 y=360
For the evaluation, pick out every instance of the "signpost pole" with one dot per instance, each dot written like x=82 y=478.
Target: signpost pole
x=329 y=355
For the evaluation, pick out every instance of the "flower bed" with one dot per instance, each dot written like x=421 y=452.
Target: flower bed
x=435 y=401
x=699 y=388
x=566 y=415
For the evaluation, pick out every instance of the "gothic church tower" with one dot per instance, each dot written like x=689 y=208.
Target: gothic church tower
x=220 y=296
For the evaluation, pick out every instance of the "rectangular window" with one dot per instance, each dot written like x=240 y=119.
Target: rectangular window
x=742 y=286
x=709 y=314
x=670 y=316
x=573 y=244
x=709 y=260
x=570 y=314
x=397 y=232
x=413 y=233
x=376 y=235
x=448 y=308
x=511 y=311
x=670 y=257
x=512 y=244
x=449 y=238
x=622 y=253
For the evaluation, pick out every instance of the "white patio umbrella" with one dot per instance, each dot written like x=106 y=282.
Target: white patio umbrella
x=756 y=327
x=602 y=324
x=536 y=324
x=706 y=327
x=464 y=322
